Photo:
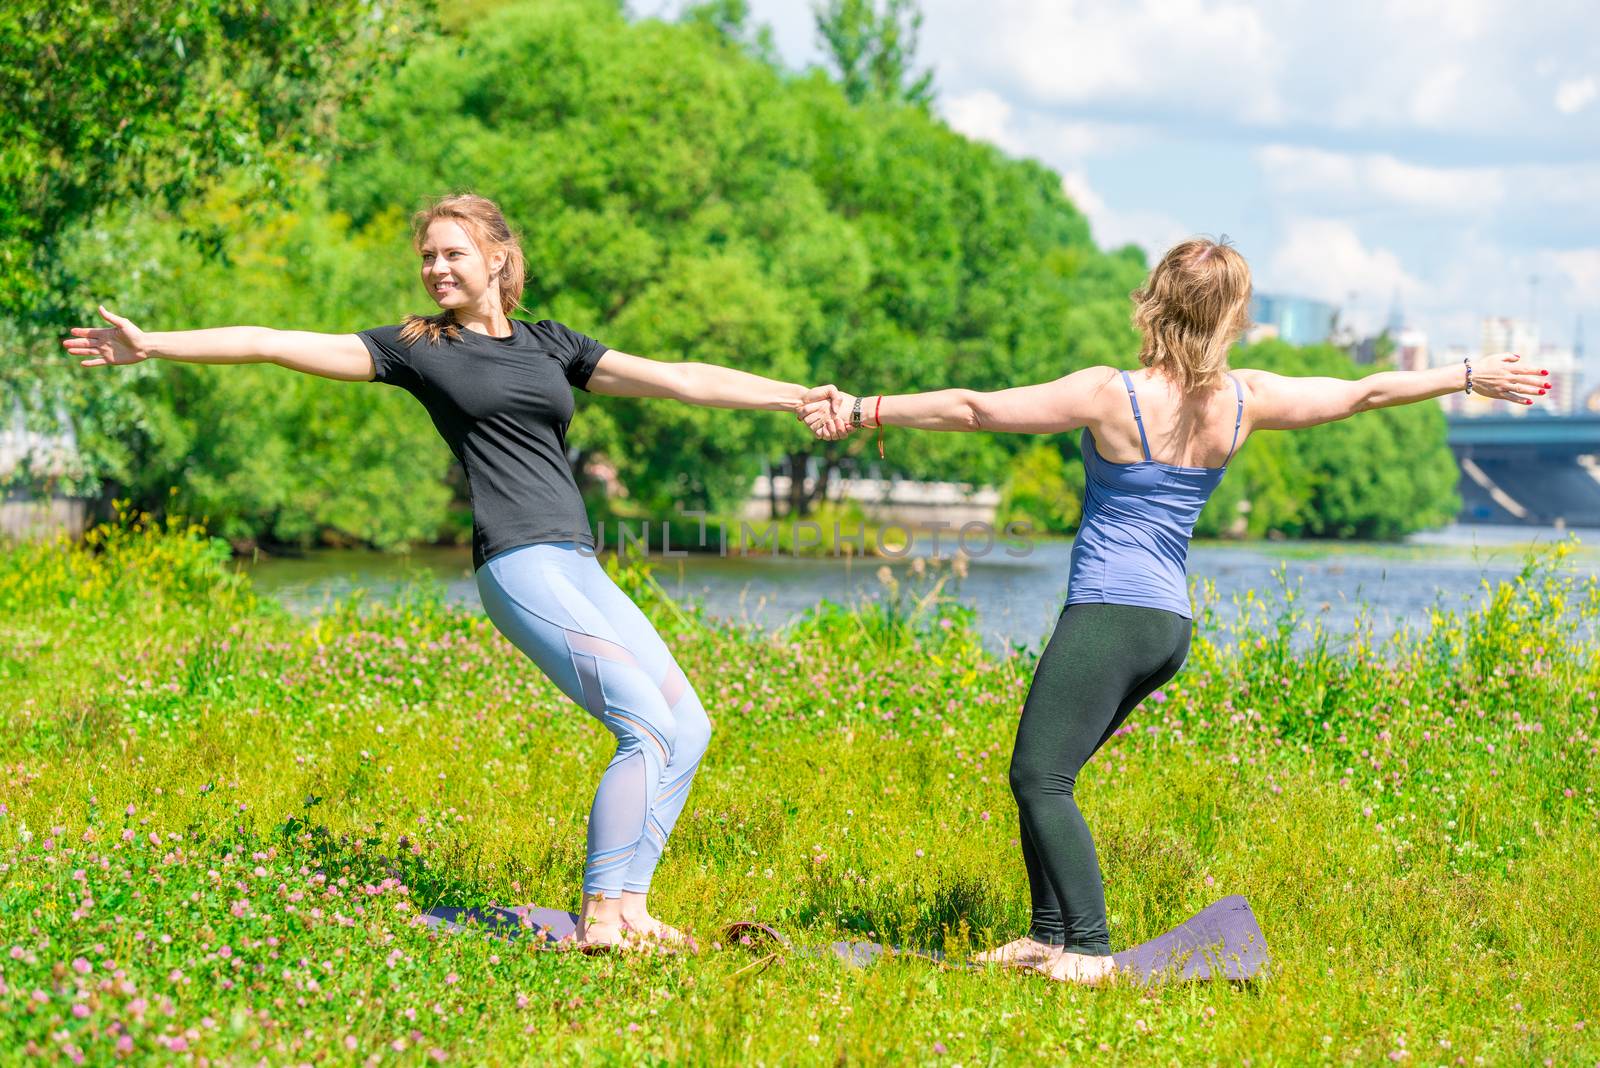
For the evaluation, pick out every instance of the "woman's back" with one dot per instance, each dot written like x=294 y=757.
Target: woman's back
x=1139 y=513
x=1194 y=430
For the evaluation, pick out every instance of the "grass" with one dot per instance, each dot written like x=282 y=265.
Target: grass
x=217 y=822
x=830 y=529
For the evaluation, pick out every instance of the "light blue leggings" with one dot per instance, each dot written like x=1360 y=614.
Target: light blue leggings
x=559 y=607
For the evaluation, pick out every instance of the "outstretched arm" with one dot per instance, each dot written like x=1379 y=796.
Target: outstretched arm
x=1281 y=402
x=1047 y=408
x=339 y=356
x=621 y=375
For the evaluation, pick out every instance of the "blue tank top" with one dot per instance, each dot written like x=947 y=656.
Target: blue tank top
x=1133 y=543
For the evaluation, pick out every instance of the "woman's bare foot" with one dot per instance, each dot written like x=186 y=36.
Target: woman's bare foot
x=602 y=934
x=1078 y=968
x=600 y=922
x=647 y=926
x=637 y=921
x=1024 y=952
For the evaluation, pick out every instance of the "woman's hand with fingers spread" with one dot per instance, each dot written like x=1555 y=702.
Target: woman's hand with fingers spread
x=1503 y=377
x=119 y=344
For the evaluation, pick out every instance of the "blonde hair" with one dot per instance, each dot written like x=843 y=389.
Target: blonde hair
x=1191 y=309
x=481 y=218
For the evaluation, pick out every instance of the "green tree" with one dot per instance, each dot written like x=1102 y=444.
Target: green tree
x=682 y=197
x=1379 y=475
x=1043 y=490
x=264 y=454
x=1267 y=491
x=111 y=102
x=731 y=19
x=873 y=49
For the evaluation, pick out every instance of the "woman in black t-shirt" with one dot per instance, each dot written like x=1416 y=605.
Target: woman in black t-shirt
x=500 y=393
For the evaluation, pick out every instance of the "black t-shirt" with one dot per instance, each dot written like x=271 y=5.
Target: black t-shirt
x=502 y=405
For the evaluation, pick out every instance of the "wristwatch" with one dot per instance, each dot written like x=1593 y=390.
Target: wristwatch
x=855 y=414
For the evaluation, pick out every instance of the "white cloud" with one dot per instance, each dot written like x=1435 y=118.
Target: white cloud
x=1293 y=169
x=1072 y=52
x=1581 y=267
x=1317 y=179
x=983 y=115
x=1342 y=176
x=1443 y=148
x=1457 y=20
x=1473 y=277
x=1326 y=259
x=1572 y=186
x=1393 y=65
x=1150 y=230
x=1439 y=95
x=1458 y=188
x=1576 y=94
x=1076 y=185
x=1487 y=67
x=987 y=116
x=1075 y=140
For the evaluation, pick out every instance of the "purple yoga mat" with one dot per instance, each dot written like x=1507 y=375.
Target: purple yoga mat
x=1221 y=941
x=761 y=936
x=547 y=925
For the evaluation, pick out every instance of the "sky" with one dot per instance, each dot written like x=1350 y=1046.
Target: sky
x=1445 y=153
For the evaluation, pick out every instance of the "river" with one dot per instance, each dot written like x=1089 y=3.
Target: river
x=1017 y=598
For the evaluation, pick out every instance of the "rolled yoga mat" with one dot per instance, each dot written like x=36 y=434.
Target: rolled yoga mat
x=1221 y=941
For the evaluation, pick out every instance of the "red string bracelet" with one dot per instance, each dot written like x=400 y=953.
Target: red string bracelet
x=875 y=418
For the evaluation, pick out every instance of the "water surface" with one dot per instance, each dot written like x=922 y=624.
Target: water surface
x=1017 y=598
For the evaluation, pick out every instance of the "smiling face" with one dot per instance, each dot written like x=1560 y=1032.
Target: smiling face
x=455 y=272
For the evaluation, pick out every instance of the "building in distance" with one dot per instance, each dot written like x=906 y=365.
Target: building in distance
x=1297 y=320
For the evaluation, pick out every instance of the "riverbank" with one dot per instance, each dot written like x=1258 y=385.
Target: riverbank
x=218 y=822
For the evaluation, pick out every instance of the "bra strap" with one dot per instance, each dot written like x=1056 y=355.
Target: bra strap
x=1144 y=442
x=1238 y=418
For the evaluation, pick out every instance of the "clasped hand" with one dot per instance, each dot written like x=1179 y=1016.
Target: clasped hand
x=825 y=410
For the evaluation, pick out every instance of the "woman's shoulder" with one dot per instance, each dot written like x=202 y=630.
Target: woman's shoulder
x=547 y=329
x=557 y=337
x=1096 y=376
x=1253 y=379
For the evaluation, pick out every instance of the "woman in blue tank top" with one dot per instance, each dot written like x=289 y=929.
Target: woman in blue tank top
x=1156 y=442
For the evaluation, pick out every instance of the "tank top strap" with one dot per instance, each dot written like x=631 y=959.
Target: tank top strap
x=1144 y=442
x=1238 y=418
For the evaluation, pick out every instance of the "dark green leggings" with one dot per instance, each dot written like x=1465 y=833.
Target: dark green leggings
x=1102 y=660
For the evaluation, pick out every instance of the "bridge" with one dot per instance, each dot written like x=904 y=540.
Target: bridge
x=1531 y=469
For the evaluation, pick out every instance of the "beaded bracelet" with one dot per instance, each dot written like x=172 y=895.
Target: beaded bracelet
x=1468 y=361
